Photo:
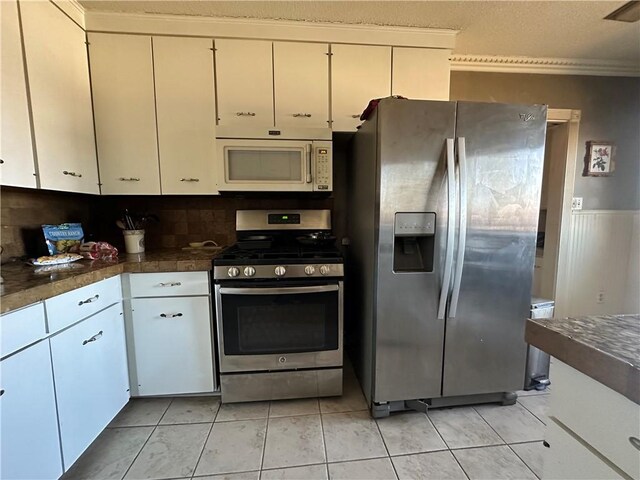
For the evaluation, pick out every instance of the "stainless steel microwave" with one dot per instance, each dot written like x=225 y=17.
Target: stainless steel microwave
x=274 y=165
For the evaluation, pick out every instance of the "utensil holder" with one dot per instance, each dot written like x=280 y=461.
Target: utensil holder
x=133 y=241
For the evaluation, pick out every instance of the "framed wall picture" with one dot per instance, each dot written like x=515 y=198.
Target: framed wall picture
x=599 y=160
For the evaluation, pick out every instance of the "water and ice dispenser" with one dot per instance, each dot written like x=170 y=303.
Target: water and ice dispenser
x=414 y=242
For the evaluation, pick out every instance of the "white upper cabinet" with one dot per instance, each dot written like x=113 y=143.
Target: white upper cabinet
x=244 y=77
x=359 y=73
x=16 y=151
x=58 y=75
x=421 y=73
x=186 y=114
x=301 y=76
x=124 y=109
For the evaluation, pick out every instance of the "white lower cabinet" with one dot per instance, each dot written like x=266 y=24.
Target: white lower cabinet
x=170 y=345
x=92 y=384
x=29 y=444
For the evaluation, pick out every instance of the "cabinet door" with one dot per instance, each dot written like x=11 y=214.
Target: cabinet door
x=124 y=105
x=16 y=151
x=58 y=71
x=172 y=350
x=244 y=81
x=301 y=75
x=421 y=73
x=30 y=447
x=359 y=73
x=186 y=114
x=91 y=378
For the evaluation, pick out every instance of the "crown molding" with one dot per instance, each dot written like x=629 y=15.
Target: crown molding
x=553 y=66
x=192 y=26
x=73 y=10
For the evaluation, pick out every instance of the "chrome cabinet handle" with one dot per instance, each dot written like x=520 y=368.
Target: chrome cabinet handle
x=302 y=115
x=1 y=392
x=635 y=441
x=245 y=114
x=462 y=224
x=170 y=315
x=189 y=179
x=1 y=162
x=130 y=179
x=71 y=174
x=170 y=284
x=451 y=206
x=97 y=336
x=355 y=116
x=89 y=300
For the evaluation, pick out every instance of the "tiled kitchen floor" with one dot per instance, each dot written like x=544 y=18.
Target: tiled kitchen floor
x=316 y=439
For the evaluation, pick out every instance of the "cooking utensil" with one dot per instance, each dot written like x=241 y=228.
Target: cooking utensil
x=203 y=244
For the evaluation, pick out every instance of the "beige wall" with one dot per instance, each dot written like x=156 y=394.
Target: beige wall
x=610 y=111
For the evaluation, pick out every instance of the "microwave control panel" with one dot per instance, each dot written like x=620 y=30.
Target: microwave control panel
x=323 y=178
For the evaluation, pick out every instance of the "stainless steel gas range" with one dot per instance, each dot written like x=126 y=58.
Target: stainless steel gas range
x=279 y=307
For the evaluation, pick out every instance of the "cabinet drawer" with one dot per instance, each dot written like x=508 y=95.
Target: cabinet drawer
x=169 y=284
x=600 y=416
x=92 y=383
x=21 y=327
x=172 y=345
x=77 y=304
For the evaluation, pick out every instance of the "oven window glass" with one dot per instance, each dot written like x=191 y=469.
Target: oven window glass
x=280 y=323
x=281 y=165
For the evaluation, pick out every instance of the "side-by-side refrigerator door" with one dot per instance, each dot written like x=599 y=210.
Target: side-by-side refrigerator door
x=412 y=149
x=500 y=150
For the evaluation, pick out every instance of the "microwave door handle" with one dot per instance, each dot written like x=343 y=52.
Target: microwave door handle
x=451 y=207
x=462 y=226
x=308 y=152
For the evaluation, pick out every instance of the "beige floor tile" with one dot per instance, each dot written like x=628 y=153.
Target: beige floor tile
x=288 y=408
x=140 y=412
x=351 y=400
x=462 y=427
x=233 y=447
x=293 y=441
x=308 y=472
x=110 y=455
x=352 y=436
x=242 y=411
x=538 y=405
x=191 y=410
x=514 y=423
x=493 y=463
x=232 y=476
x=171 y=452
x=409 y=432
x=532 y=454
x=437 y=465
x=375 y=469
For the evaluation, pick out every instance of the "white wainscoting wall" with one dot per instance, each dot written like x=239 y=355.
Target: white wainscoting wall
x=604 y=263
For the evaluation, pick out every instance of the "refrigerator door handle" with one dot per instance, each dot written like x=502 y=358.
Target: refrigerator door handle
x=451 y=211
x=462 y=226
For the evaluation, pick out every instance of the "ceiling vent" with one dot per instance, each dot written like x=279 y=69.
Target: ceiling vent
x=629 y=12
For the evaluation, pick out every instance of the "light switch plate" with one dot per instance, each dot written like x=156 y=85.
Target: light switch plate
x=576 y=203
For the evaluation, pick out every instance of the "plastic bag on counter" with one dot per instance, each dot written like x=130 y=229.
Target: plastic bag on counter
x=99 y=251
x=63 y=238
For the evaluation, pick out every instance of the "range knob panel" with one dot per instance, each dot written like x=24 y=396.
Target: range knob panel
x=233 y=272
x=324 y=270
x=249 y=271
x=280 y=271
x=309 y=269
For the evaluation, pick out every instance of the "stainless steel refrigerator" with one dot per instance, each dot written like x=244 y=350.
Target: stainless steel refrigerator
x=443 y=204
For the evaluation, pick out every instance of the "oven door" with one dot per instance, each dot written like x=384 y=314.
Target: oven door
x=264 y=165
x=263 y=328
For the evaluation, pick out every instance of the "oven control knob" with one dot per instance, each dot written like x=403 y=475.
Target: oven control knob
x=280 y=271
x=324 y=270
x=233 y=272
x=309 y=269
x=249 y=271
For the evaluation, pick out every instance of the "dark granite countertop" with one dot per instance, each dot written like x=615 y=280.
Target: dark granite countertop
x=26 y=284
x=604 y=347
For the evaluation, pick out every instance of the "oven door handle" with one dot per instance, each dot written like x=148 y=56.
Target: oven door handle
x=279 y=290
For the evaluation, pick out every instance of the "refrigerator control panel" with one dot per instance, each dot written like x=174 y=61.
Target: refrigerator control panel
x=415 y=224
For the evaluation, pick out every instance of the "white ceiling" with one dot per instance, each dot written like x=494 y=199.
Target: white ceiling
x=560 y=29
